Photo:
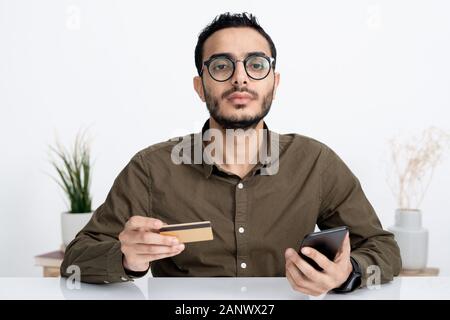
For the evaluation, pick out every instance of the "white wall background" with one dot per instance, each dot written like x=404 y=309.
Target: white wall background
x=354 y=74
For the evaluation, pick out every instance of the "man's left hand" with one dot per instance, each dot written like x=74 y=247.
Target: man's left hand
x=304 y=278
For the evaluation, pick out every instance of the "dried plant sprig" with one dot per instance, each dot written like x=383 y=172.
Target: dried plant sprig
x=414 y=162
x=74 y=173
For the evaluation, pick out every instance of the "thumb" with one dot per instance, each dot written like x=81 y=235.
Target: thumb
x=345 y=248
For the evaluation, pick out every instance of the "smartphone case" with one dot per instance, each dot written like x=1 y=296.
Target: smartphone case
x=326 y=242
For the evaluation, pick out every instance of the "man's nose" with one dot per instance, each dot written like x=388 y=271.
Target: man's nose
x=240 y=76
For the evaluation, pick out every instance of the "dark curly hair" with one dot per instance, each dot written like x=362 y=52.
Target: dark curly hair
x=229 y=20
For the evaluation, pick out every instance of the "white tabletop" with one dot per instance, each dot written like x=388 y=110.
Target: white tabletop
x=213 y=289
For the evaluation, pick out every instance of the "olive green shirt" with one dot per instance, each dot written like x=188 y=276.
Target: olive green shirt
x=254 y=219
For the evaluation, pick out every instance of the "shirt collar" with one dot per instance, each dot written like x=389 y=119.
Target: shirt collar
x=208 y=167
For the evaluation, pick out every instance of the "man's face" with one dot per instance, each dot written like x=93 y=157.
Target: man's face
x=240 y=102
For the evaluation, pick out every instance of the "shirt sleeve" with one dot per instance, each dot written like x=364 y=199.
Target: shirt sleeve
x=96 y=249
x=343 y=202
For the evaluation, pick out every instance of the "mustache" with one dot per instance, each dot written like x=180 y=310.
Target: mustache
x=254 y=94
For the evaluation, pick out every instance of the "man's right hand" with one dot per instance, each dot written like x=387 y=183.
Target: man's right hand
x=141 y=243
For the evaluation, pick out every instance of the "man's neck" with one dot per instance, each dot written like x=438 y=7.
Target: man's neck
x=240 y=147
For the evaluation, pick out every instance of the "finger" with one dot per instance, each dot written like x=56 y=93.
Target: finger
x=155 y=249
x=143 y=223
x=164 y=255
x=304 y=266
x=144 y=249
x=295 y=273
x=318 y=257
x=156 y=238
x=318 y=279
x=139 y=259
x=344 y=250
x=145 y=257
x=306 y=285
x=147 y=237
x=302 y=288
x=292 y=281
x=346 y=247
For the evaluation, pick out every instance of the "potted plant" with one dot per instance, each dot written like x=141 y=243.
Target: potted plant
x=74 y=177
x=414 y=162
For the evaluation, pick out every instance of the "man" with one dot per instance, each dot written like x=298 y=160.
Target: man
x=260 y=208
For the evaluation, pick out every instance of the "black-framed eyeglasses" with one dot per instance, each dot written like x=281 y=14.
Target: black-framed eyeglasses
x=221 y=68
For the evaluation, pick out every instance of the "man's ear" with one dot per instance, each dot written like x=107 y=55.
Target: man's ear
x=275 y=85
x=198 y=86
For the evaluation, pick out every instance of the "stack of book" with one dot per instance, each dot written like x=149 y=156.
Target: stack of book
x=50 y=262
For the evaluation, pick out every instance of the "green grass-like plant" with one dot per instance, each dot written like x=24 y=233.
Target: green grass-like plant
x=74 y=173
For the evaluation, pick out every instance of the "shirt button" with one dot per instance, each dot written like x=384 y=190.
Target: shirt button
x=123 y=279
x=243 y=265
x=241 y=230
x=240 y=185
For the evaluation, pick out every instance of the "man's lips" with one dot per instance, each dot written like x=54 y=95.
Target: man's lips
x=240 y=98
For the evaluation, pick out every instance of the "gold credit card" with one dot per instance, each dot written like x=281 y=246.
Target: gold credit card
x=189 y=232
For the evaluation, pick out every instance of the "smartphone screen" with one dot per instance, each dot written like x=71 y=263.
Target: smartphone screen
x=326 y=242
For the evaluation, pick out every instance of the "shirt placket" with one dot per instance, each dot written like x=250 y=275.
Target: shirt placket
x=243 y=264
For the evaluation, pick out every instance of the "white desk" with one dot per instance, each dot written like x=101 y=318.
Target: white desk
x=214 y=289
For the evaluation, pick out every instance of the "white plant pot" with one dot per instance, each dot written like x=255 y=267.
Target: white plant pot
x=71 y=224
x=411 y=238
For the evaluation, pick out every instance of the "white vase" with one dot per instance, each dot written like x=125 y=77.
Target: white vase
x=71 y=224
x=411 y=238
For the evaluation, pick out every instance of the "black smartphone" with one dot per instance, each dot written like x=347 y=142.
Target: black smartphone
x=326 y=242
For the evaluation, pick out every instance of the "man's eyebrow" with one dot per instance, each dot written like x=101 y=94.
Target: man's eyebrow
x=231 y=55
x=222 y=54
x=256 y=53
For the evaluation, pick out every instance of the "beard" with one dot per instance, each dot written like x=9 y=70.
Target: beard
x=236 y=122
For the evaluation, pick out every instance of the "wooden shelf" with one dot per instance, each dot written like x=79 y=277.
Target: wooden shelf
x=50 y=262
x=427 y=272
